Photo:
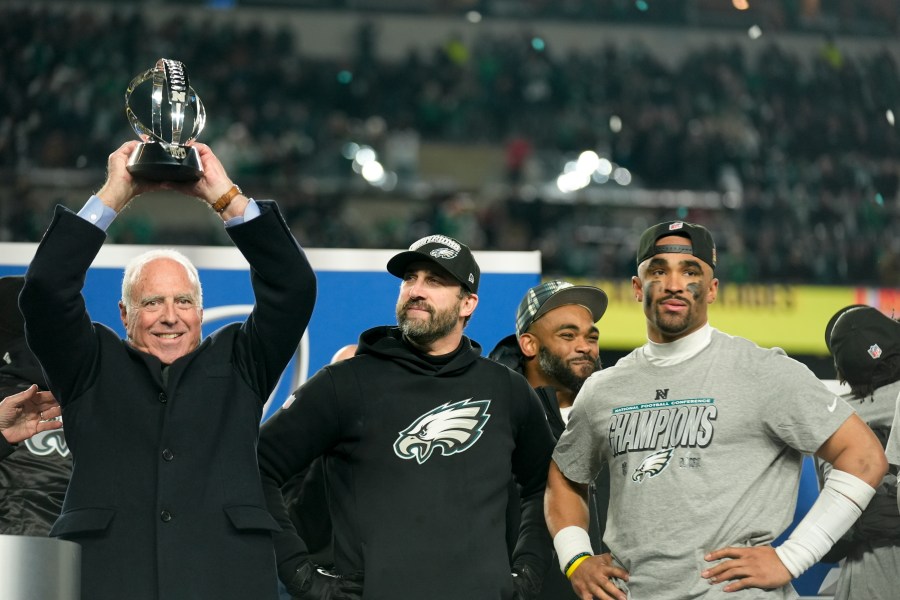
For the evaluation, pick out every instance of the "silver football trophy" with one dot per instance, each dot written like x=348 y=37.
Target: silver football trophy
x=168 y=158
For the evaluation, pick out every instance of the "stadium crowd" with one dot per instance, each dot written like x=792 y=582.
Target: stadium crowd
x=805 y=146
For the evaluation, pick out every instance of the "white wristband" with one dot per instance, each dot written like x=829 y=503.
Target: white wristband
x=571 y=542
x=839 y=505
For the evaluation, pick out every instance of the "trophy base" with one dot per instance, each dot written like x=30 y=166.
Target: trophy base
x=153 y=162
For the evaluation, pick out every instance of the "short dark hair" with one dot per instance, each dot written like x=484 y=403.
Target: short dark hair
x=886 y=372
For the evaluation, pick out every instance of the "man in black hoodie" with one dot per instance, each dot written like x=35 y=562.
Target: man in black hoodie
x=34 y=470
x=556 y=348
x=420 y=436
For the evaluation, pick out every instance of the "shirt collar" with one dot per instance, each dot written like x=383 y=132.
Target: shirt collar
x=672 y=353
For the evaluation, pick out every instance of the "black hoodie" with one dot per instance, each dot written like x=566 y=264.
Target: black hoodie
x=34 y=474
x=418 y=456
x=556 y=586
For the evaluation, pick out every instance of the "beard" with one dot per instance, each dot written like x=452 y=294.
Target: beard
x=674 y=324
x=559 y=370
x=424 y=332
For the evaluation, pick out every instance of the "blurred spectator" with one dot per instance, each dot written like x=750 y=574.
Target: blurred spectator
x=803 y=147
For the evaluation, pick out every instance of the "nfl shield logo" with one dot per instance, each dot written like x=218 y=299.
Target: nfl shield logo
x=874 y=351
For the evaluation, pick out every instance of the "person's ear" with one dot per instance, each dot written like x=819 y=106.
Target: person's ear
x=467 y=305
x=529 y=345
x=713 y=291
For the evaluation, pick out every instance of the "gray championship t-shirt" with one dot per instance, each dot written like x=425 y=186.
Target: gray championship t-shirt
x=892 y=450
x=872 y=570
x=703 y=454
x=893 y=445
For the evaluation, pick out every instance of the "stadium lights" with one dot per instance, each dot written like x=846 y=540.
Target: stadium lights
x=366 y=164
x=590 y=167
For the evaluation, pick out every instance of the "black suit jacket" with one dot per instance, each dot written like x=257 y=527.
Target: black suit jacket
x=165 y=497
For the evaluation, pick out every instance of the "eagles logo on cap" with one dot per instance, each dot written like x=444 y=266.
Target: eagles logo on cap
x=444 y=251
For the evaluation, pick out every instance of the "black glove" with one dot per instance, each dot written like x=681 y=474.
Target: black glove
x=527 y=583
x=315 y=583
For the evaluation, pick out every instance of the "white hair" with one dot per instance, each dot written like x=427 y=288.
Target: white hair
x=136 y=265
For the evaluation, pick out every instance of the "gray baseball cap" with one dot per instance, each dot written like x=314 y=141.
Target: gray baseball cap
x=543 y=298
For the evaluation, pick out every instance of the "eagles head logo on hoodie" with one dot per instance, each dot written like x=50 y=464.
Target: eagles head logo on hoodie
x=449 y=428
x=48 y=442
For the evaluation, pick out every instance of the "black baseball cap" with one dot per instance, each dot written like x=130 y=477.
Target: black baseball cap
x=446 y=252
x=861 y=338
x=702 y=244
x=543 y=298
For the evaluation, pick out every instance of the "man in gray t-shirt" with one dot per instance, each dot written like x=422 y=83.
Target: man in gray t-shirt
x=704 y=435
x=892 y=450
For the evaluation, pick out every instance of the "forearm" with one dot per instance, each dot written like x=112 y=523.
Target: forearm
x=290 y=549
x=284 y=287
x=858 y=465
x=289 y=442
x=56 y=320
x=565 y=502
x=568 y=519
x=274 y=255
x=534 y=546
x=839 y=505
x=57 y=271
